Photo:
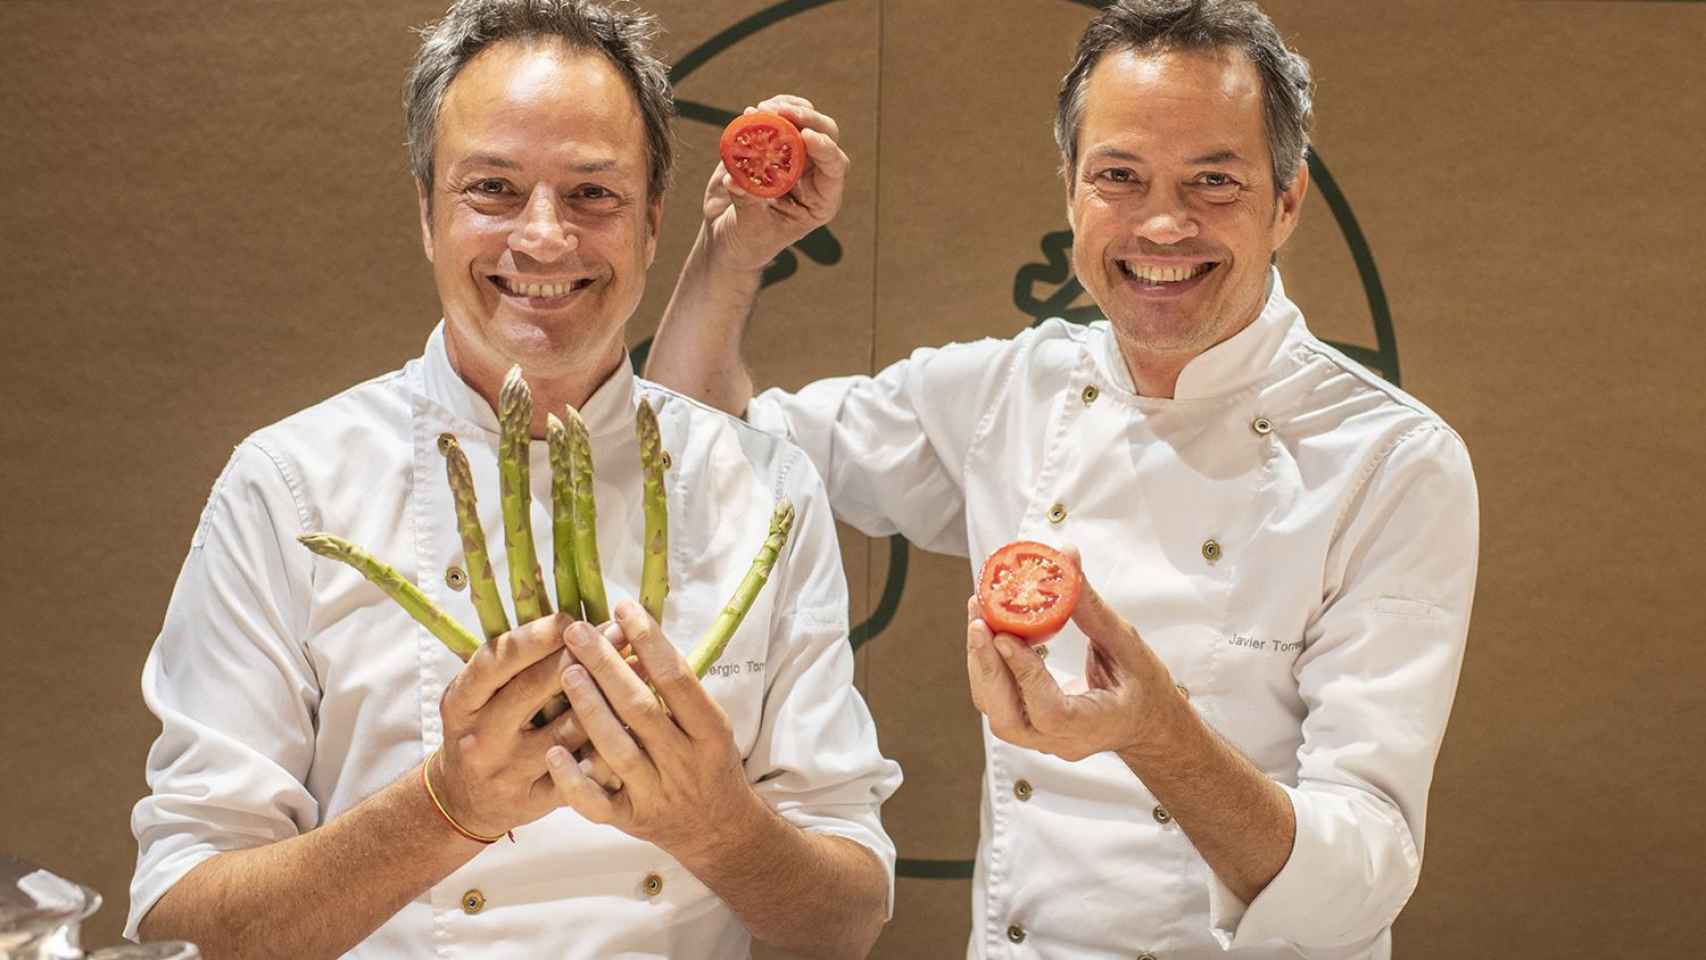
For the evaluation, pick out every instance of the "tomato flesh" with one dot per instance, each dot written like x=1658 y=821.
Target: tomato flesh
x=1028 y=589
x=764 y=153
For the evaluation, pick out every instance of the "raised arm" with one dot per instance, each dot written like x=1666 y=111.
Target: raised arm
x=697 y=350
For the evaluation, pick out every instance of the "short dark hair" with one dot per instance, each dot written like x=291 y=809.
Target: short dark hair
x=1288 y=90
x=621 y=34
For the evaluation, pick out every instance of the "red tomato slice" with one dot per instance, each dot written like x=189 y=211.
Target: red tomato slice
x=1028 y=589
x=764 y=153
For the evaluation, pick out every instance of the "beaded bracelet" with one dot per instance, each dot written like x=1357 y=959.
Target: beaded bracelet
x=459 y=828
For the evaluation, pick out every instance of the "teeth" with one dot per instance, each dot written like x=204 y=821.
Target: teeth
x=543 y=290
x=1164 y=274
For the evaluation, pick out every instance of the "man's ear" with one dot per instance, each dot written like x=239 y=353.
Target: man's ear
x=1288 y=207
x=425 y=201
x=654 y=221
x=1066 y=175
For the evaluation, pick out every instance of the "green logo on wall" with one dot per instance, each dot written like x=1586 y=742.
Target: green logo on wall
x=1040 y=291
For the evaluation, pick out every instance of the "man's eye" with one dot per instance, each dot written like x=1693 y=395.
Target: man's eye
x=594 y=192
x=1118 y=175
x=1216 y=180
x=491 y=188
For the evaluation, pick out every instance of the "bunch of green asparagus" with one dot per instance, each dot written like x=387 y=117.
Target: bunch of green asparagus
x=574 y=515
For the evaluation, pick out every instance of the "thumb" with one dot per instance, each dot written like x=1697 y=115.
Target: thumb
x=1104 y=627
x=742 y=200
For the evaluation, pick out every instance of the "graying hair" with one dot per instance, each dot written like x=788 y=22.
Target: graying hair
x=622 y=35
x=1288 y=90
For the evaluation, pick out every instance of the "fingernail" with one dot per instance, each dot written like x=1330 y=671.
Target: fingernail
x=574 y=676
x=580 y=635
x=557 y=757
x=1004 y=645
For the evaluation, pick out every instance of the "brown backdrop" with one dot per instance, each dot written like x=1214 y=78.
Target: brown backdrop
x=207 y=225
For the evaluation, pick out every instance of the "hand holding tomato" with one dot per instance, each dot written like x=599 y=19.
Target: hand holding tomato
x=747 y=229
x=1116 y=708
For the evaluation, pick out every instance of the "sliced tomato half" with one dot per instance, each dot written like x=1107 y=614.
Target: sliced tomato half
x=1028 y=589
x=764 y=153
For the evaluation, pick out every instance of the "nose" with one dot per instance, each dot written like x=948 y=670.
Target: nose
x=1165 y=220
x=542 y=233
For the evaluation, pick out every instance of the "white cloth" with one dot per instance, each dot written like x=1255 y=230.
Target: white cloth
x=1323 y=641
x=289 y=688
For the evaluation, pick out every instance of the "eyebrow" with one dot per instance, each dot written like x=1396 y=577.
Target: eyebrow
x=504 y=163
x=1218 y=156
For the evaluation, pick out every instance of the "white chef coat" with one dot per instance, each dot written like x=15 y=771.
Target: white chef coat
x=1295 y=537
x=289 y=688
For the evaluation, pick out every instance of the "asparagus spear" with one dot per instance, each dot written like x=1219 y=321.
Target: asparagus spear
x=654 y=574
x=442 y=625
x=563 y=516
x=482 y=585
x=515 y=414
x=723 y=628
x=588 y=575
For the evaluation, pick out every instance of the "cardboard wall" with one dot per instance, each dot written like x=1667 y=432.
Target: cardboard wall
x=206 y=225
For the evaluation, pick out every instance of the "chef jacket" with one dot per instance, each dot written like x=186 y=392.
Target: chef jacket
x=289 y=688
x=1294 y=536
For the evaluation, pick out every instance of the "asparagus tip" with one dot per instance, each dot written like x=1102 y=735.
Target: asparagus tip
x=572 y=420
x=515 y=399
x=782 y=518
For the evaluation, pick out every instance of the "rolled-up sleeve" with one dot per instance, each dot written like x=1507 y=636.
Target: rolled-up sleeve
x=892 y=447
x=234 y=694
x=815 y=759
x=1377 y=677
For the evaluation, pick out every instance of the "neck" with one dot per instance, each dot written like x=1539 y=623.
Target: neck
x=1154 y=374
x=562 y=380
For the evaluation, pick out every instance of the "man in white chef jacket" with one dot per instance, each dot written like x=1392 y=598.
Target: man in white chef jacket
x=1228 y=751
x=305 y=717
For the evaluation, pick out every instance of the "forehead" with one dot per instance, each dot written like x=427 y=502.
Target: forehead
x=535 y=101
x=1165 y=102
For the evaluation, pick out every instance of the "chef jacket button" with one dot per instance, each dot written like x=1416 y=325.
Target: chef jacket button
x=1161 y=815
x=473 y=902
x=455 y=578
x=1211 y=550
x=1262 y=425
x=653 y=885
x=1184 y=691
x=1090 y=394
x=1022 y=789
x=1015 y=933
x=444 y=442
x=1057 y=513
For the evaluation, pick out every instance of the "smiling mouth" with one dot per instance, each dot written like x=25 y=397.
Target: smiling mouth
x=1147 y=275
x=540 y=291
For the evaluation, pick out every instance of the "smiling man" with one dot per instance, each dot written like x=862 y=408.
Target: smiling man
x=330 y=780
x=1229 y=751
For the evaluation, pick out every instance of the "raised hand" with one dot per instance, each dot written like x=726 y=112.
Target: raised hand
x=747 y=232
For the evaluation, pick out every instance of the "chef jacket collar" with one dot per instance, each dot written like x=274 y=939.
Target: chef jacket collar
x=1228 y=366
x=609 y=409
